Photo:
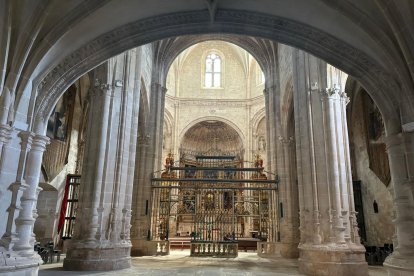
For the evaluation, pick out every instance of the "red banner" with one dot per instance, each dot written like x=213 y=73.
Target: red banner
x=63 y=206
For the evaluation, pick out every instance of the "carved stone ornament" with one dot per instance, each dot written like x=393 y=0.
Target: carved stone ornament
x=358 y=63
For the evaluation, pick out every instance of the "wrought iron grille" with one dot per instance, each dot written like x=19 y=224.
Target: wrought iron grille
x=215 y=203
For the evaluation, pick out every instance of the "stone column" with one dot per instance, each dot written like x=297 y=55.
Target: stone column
x=400 y=148
x=151 y=157
x=95 y=245
x=272 y=124
x=139 y=220
x=327 y=245
x=272 y=93
x=27 y=215
x=5 y=136
x=287 y=210
x=283 y=239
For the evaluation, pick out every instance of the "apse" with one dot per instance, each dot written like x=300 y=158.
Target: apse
x=211 y=137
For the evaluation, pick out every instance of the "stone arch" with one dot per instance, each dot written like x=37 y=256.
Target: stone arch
x=167 y=130
x=316 y=41
x=212 y=118
x=257 y=118
x=212 y=137
x=168 y=119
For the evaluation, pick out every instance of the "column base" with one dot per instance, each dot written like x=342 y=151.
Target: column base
x=13 y=264
x=149 y=248
x=398 y=265
x=277 y=249
x=99 y=258
x=338 y=260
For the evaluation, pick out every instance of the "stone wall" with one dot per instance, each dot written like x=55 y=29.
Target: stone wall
x=379 y=226
x=239 y=102
x=234 y=72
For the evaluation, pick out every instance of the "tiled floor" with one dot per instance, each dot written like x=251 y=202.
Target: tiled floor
x=179 y=263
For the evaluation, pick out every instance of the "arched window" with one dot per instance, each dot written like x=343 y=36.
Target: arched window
x=213 y=71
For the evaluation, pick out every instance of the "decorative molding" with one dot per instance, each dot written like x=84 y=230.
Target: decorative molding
x=144 y=139
x=287 y=140
x=319 y=43
x=5 y=133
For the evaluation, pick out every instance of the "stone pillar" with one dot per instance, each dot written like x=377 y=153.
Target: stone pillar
x=272 y=93
x=96 y=243
x=5 y=136
x=151 y=156
x=288 y=202
x=283 y=240
x=10 y=236
x=400 y=148
x=19 y=235
x=27 y=215
x=140 y=220
x=18 y=240
x=271 y=105
x=328 y=243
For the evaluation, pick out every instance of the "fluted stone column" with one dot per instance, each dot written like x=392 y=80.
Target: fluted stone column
x=151 y=156
x=400 y=148
x=282 y=240
x=140 y=220
x=96 y=243
x=329 y=242
x=272 y=93
x=18 y=240
x=19 y=236
x=5 y=135
x=288 y=206
x=28 y=213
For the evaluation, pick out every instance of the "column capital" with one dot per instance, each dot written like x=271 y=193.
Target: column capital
x=27 y=138
x=40 y=142
x=286 y=140
x=144 y=139
x=332 y=92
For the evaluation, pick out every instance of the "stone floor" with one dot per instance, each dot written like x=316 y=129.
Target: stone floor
x=179 y=263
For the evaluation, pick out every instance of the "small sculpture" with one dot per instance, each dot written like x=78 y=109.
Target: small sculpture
x=169 y=163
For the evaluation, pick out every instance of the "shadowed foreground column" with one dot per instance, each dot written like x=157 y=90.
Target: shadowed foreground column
x=330 y=244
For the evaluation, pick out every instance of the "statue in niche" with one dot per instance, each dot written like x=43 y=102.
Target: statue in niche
x=261 y=144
